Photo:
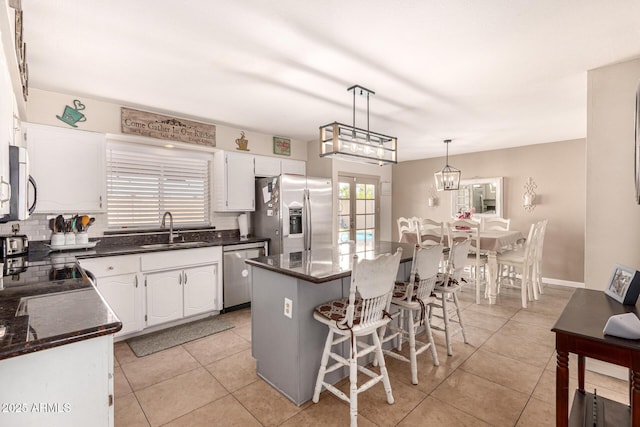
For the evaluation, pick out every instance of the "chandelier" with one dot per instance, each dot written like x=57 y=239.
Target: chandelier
x=449 y=177
x=346 y=142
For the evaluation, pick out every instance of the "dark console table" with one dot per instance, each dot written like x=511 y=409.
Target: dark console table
x=579 y=331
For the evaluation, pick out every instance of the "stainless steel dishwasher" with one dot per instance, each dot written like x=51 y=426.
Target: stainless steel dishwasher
x=236 y=274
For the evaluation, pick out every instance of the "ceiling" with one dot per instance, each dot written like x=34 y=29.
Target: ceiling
x=488 y=74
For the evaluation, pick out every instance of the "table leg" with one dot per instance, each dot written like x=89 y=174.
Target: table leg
x=635 y=397
x=581 y=373
x=492 y=267
x=562 y=389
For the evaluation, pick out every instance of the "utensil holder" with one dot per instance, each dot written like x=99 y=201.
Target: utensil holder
x=82 y=238
x=57 y=239
x=69 y=238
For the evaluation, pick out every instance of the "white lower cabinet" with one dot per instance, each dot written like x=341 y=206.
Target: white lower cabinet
x=199 y=294
x=158 y=287
x=175 y=294
x=118 y=282
x=164 y=297
x=181 y=283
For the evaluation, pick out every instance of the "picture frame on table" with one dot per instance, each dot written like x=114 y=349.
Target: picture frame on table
x=281 y=146
x=624 y=285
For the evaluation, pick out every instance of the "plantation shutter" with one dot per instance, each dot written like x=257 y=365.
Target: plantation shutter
x=144 y=182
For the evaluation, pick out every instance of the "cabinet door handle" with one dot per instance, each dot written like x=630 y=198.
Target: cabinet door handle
x=180 y=278
x=185 y=277
x=3 y=200
x=110 y=267
x=136 y=280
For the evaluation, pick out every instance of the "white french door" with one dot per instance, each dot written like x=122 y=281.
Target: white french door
x=358 y=211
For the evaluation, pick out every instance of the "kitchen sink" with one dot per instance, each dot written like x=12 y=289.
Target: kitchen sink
x=171 y=245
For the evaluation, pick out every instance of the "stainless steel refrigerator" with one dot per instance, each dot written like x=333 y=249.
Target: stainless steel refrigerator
x=294 y=211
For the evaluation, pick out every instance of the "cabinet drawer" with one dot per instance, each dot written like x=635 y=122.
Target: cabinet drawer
x=111 y=266
x=180 y=258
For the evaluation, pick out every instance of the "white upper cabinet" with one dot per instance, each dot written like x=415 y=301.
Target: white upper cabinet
x=68 y=166
x=233 y=182
x=7 y=102
x=273 y=166
x=297 y=167
x=266 y=166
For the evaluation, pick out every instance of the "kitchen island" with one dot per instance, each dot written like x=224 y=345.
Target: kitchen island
x=286 y=340
x=56 y=349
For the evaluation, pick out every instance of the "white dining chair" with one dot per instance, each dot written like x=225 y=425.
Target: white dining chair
x=406 y=225
x=361 y=314
x=539 y=246
x=496 y=223
x=447 y=286
x=411 y=305
x=500 y=224
x=523 y=260
x=462 y=229
x=429 y=231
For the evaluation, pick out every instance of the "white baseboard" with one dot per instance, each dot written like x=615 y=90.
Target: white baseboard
x=560 y=282
x=605 y=368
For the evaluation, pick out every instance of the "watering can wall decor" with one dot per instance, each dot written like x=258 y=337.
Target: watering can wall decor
x=72 y=115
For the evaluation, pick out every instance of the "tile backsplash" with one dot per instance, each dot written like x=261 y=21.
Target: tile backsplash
x=37 y=226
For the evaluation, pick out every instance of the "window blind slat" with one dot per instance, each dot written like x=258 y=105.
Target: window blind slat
x=141 y=186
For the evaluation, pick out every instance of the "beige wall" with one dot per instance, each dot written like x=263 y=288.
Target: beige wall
x=557 y=168
x=43 y=106
x=612 y=215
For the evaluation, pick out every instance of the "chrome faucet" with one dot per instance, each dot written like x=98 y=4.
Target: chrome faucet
x=164 y=217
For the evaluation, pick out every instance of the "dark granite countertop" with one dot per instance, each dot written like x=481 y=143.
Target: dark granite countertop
x=324 y=264
x=61 y=307
x=53 y=303
x=127 y=248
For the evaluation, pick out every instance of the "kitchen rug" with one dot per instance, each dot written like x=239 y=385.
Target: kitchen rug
x=176 y=335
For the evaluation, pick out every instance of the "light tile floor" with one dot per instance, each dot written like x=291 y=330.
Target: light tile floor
x=505 y=376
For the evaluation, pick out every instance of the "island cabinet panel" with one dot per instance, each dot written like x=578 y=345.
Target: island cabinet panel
x=288 y=350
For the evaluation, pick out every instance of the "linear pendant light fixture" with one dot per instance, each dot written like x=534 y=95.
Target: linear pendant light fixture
x=346 y=142
x=449 y=177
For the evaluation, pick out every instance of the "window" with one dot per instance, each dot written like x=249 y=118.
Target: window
x=144 y=182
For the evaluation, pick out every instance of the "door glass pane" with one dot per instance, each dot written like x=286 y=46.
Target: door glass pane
x=360 y=191
x=343 y=223
x=344 y=189
x=371 y=191
x=360 y=222
x=370 y=206
x=343 y=236
x=361 y=206
x=344 y=207
x=370 y=239
x=370 y=221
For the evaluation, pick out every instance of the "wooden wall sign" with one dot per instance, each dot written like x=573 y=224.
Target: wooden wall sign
x=164 y=127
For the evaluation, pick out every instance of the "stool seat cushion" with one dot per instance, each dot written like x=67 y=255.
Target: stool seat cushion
x=336 y=310
x=400 y=289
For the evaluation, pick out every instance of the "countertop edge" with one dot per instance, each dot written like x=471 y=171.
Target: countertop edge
x=106 y=251
x=72 y=337
x=301 y=276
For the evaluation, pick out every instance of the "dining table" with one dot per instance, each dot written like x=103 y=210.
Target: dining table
x=491 y=243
